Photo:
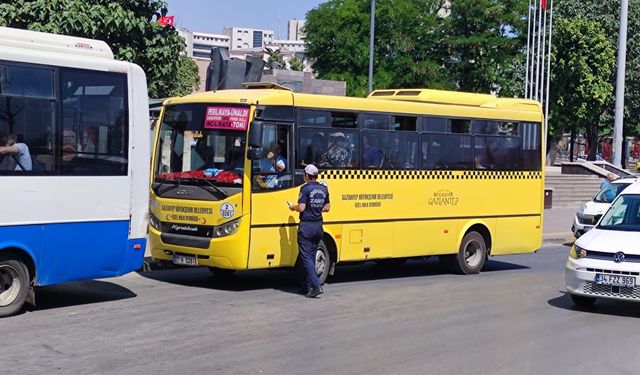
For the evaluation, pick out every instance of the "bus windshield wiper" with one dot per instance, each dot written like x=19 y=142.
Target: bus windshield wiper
x=174 y=184
x=210 y=184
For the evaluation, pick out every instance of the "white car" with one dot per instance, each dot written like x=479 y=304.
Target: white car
x=605 y=261
x=583 y=220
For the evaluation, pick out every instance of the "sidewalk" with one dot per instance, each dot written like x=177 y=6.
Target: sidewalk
x=557 y=223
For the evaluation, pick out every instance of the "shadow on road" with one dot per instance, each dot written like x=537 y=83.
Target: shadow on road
x=285 y=279
x=79 y=293
x=602 y=306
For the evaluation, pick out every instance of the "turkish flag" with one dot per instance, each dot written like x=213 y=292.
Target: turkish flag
x=543 y=4
x=166 y=20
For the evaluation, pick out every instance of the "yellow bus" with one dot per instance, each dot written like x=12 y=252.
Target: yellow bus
x=411 y=173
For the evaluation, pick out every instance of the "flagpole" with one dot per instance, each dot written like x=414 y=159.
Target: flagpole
x=546 y=101
x=620 y=79
x=526 y=82
x=538 y=55
x=533 y=49
x=544 y=39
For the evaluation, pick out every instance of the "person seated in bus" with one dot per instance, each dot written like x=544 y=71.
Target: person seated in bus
x=15 y=155
x=338 y=153
x=478 y=164
x=276 y=178
x=373 y=156
x=314 y=150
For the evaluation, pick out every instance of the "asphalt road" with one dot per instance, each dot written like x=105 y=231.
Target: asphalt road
x=512 y=319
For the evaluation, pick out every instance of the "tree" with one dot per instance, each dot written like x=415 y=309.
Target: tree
x=486 y=39
x=275 y=59
x=473 y=45
x=188 y=77
x=583 y=62
x=296 y=63
x=606 y=14
x=128 y=27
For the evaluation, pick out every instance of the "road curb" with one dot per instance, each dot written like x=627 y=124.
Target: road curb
x=557 y=238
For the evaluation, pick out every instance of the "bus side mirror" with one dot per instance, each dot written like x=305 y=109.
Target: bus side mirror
x=255 y=134
x=254 y=154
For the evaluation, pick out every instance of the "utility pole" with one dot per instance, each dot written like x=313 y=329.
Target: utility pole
x=622 y=60
x=371 y=33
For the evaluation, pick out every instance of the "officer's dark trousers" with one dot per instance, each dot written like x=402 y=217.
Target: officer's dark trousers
x=309 y=236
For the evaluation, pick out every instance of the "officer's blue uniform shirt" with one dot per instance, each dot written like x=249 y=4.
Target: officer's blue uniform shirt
x=314 y=195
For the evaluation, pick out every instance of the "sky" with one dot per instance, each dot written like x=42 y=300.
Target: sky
x=211 y=16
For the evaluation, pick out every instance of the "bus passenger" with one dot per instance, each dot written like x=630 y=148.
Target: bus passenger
x=312 y=202
x=373 y=156
x=16 y=152
x=338 y=152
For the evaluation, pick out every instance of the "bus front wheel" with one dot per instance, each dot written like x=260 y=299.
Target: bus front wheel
x=323 y=264
x=470 y=257
x=14 y=285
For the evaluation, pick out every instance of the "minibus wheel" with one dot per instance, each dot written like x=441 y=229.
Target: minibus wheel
x=14 y=285
x=471 y=255
x=323 y=265
x=323 y=262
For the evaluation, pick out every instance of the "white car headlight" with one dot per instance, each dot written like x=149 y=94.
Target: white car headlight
x=577 y=252
x=582 y=208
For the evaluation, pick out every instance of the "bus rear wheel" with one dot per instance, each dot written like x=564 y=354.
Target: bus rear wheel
x=471 y=255
x=14 y=285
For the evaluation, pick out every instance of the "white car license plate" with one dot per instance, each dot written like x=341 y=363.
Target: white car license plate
x=587 y=228
x=184 y=260
x=615 y=280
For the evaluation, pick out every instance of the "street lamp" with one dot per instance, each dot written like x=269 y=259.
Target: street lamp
x=371 y=33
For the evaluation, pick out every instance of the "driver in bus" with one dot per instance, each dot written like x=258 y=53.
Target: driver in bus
x=15 y=155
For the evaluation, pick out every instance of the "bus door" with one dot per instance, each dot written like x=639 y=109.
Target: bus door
x=273 y=226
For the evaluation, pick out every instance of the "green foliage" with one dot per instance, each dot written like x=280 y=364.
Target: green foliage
x=485 y=39
x=583 y=62
x=606 y=14
x=296 y=63
x=188 y=77
x=128 y=26
x=275 y=59
x=474 y=45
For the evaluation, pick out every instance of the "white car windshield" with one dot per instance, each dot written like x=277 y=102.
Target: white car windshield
x=624 y=214
x=609 y=193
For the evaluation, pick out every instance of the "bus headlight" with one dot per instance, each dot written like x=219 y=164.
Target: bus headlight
x=154 y=221
x=577 y=252
x=226 y=229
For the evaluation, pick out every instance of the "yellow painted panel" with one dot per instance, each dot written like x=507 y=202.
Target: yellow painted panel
x=517 y=235
x=272 y=247
x=366 y=241
x=418 y=238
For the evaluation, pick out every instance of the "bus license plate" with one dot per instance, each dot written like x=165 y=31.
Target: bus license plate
x=184 y=260
x=615 y=280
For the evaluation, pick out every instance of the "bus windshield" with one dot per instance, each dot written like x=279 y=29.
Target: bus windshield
x=202 y=144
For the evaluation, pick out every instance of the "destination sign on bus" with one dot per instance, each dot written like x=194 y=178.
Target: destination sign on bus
x=230 y=118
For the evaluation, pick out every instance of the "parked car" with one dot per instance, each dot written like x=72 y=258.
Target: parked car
x=605 y=261
x=583 y=220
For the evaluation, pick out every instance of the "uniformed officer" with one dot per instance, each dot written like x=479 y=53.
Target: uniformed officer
x=312 y=202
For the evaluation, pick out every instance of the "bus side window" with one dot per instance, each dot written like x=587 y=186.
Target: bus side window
x=27 y=119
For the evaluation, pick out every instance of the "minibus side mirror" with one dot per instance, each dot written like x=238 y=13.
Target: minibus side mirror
x=254 y=154
x=255 y=134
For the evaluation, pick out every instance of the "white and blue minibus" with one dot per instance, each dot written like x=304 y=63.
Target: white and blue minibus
x=74 y=163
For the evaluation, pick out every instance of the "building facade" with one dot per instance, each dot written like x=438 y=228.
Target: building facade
x=241 y=38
